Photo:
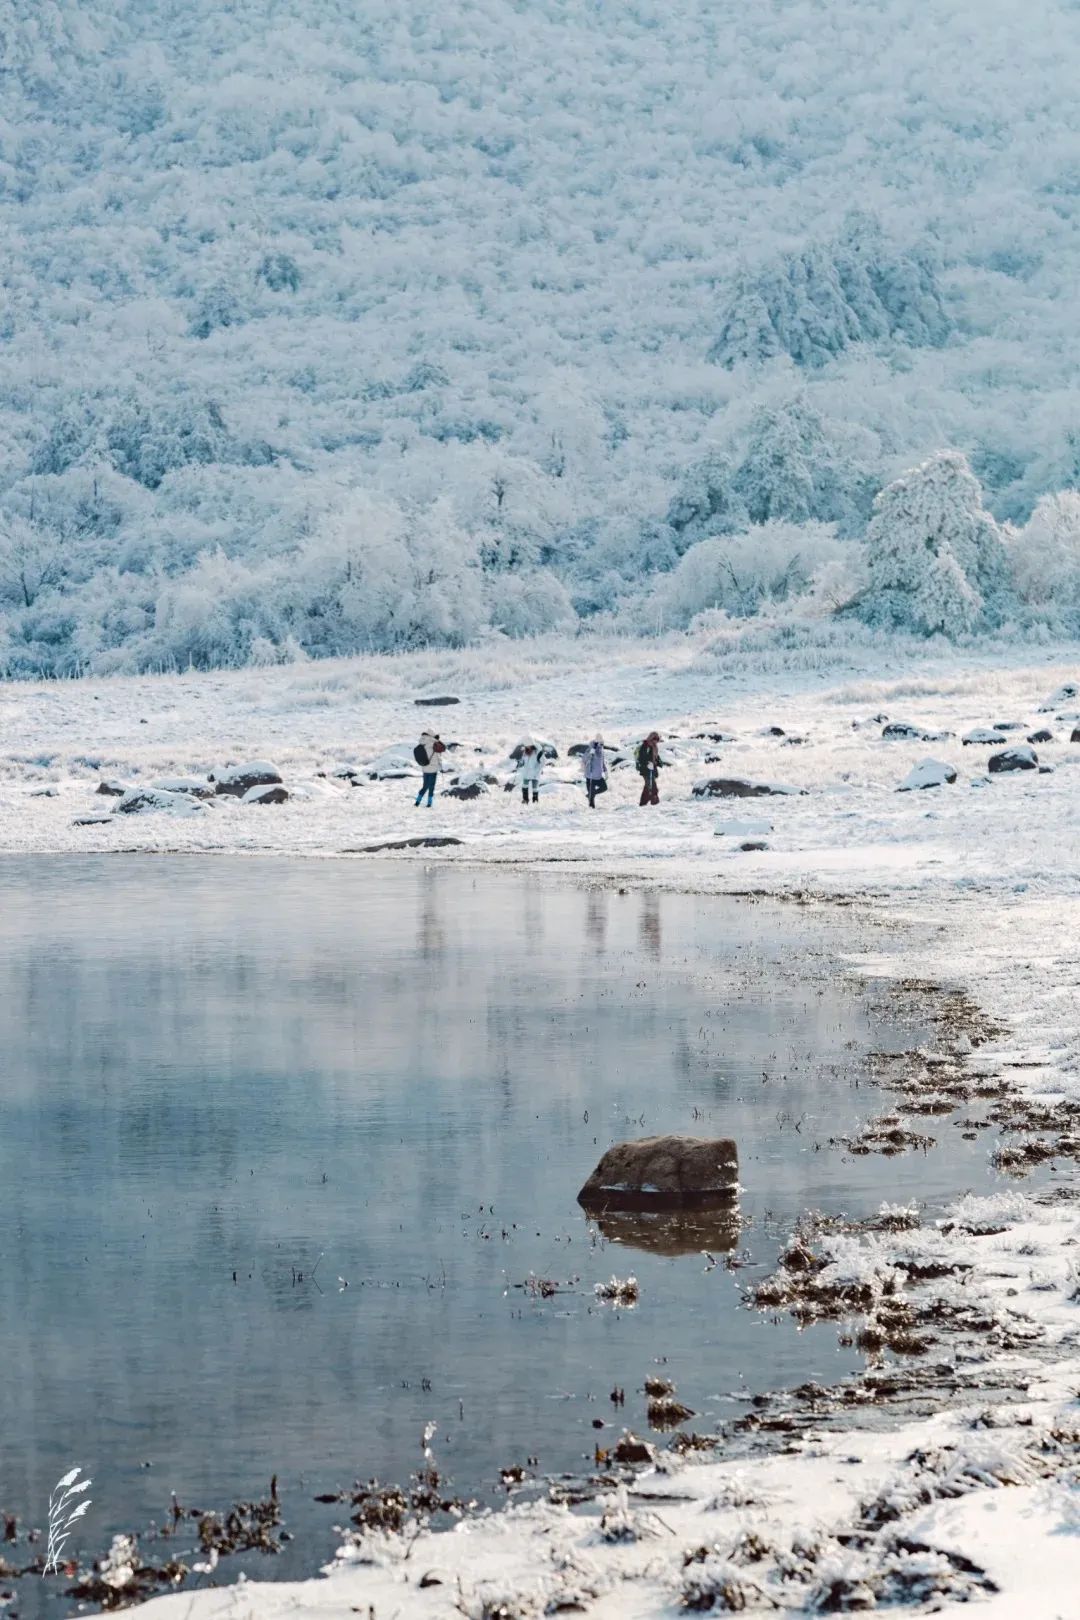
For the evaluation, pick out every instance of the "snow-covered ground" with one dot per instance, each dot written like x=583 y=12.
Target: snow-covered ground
x=974 y=883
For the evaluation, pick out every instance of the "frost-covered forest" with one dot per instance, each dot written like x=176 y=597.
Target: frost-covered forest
x=329 y=326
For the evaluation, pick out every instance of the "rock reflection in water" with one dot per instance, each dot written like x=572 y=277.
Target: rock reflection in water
x=672 y=1232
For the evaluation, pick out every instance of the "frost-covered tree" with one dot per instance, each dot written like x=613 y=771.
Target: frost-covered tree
x=936 y=558
x=1045 y=558
x=769 y=563
x=31 y=559
x=817 y=302
x=707 y=500
x=797 y=468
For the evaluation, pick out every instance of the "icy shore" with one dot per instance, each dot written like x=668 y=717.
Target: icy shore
x=975 y=883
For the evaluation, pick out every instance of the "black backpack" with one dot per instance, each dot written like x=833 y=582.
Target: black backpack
x=420 y=756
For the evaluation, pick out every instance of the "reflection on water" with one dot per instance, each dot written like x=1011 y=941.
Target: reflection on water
x=279 y=1140
x=673 y=1232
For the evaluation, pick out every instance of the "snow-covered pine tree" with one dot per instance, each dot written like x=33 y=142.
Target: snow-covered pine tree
x=936 y=558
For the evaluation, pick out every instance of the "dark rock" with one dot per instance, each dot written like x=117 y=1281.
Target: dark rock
x=1076 y=734
x=1022 y=757
x=663 y=1169
x=404 y=843
x=982 y=736
x=1042 y=736
x=901 y=731
x=112 y=789
x=750 y=846
x=469 y=787
x=236 y=780
x=735 y=787
x=271 y=793
x=716 y=736
x=92 y=821
x=575 y=750
x=435 y=702
x=546 y=750
x=629 y=1449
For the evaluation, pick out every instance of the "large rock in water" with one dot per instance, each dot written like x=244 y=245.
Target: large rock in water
x=663 y=1171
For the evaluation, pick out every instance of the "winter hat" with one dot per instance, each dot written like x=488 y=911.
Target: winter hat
x=598 y=741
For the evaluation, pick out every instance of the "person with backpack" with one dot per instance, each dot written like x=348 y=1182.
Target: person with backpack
x=529 y=766
x=594 y=765
x=648 y=761
x=428 y=755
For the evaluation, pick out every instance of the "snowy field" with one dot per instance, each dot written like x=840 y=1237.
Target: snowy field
x=975 y=883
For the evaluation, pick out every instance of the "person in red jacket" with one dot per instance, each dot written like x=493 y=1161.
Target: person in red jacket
x=648 y=762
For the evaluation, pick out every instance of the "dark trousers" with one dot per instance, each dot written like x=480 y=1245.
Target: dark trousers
x=430 y=779
x=649 y=793
x=525 y=793
x=592 y=783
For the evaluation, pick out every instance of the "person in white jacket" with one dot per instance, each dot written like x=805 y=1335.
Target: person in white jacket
x=528 y=773
x=428 y=754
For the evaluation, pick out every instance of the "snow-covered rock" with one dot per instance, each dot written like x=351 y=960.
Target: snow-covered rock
x=266 y=793
x=110 y=788
x=1041 y=736
x=1064 y=694
x=928 y=773
x=904 y=731
x=982 y=736
x=148 y=800
x=393 y=763
x=236 y=780
x=738 y=787
x=472 y=786
x=742 y=829
x=198 y=786
x=1021 y=757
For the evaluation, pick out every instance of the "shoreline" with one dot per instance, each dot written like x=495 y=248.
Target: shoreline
x=986 y=898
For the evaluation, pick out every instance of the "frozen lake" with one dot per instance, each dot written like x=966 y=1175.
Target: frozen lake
x=308 y=1073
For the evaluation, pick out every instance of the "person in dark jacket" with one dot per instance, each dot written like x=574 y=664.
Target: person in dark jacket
x=428 y=755
x=649 y=763
x=594 y=765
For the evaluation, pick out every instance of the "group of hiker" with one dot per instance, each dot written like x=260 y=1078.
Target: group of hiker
x=430 y=753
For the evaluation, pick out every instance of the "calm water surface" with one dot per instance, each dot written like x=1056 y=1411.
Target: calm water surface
x=397 y=1078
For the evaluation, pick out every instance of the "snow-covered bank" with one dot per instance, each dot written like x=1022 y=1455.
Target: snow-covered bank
x=975 y=883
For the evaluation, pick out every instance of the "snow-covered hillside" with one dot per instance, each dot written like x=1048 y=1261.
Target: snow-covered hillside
x=328 y=326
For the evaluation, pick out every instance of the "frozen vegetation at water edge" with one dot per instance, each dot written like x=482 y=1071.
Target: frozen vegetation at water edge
x=329 y=328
